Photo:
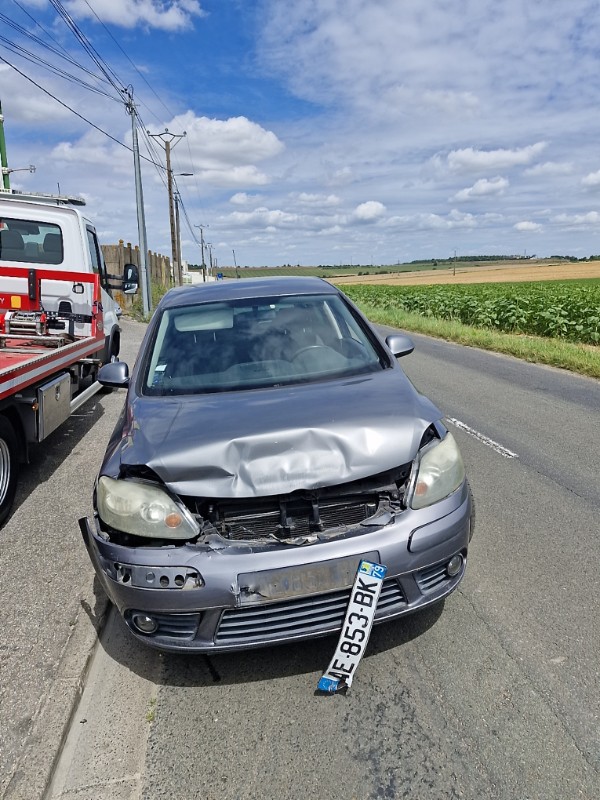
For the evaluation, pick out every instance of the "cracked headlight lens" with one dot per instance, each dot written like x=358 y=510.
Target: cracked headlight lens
x=439 y=472
x=143 y=510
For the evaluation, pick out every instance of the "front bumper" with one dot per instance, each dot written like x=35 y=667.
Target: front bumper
x=195 y=596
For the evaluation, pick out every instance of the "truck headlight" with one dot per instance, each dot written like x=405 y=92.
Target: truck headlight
x=143 y=510
x=437 y=473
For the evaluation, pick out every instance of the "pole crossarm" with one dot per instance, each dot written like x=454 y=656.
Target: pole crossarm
x=169 y=141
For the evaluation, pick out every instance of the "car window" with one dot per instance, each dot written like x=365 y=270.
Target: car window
x=243 y=344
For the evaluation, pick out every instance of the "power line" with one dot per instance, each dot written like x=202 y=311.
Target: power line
x=102 y=65
x=66 y=55
x=107 y=73
x=141 y=74
x=59 y=50
x=187 y=219
x=27 y=55
x=153 y=152
x=94 y=54
x=72 y=110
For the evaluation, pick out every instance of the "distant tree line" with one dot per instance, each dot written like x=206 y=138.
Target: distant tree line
x=423 y=263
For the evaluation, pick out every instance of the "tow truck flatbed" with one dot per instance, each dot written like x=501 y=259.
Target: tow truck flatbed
x=28 y=357
x=19 y=369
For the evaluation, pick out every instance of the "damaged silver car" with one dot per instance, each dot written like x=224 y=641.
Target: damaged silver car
x=269 y=442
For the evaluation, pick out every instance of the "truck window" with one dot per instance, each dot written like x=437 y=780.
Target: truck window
x=96 y=258
x=30 y=241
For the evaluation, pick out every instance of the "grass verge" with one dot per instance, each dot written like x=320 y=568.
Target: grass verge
x=580 y=358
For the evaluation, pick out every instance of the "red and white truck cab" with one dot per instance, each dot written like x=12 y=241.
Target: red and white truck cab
x=58 y=322
x=53 y=233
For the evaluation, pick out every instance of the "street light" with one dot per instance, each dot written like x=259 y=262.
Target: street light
x=6 y=171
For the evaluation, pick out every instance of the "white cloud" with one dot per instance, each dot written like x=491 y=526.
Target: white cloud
x=244 y=199
x=589 y=219
x=340 y=177
x=307 y=199
x=168 y=15
x=591 y=180
x=369 y=211
x=550 y=168
x=230 y=177
x=219 y=142
x=423 y=221
x=397 y=100
x=528 y=227
x=224 y=152
x=471 y=160
x=92 y=149
x=482 y=188
x=388 y=85
x=262 y=217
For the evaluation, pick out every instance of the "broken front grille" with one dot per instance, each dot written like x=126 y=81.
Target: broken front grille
x=304 y=514
x=292 y=519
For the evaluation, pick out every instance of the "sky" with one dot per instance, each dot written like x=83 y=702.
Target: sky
x=317 y=131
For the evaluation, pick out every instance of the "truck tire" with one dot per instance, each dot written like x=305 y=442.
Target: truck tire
x=9 y=467
x=112 y=346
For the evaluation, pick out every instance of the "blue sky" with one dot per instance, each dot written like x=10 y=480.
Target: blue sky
x=321 y=131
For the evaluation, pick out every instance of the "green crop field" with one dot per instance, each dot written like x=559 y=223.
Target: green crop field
x=568 y=310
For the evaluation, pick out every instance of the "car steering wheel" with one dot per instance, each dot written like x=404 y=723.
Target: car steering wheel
x=309 y=347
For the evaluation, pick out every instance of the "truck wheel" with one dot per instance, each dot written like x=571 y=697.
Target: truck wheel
x=112 y=346
x=9 y=467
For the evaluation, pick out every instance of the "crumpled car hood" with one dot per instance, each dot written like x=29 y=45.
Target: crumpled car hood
x=274 y=441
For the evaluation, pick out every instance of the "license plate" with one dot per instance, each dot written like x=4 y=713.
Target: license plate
x=280 y=584
x=356 y=628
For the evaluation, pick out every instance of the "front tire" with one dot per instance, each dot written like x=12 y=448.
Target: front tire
x=9 y=467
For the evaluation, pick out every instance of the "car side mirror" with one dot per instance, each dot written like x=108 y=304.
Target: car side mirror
x=115 y=375
x=131 y=279
x=400 y=344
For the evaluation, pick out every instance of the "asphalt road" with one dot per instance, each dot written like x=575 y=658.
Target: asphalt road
x=494 y=696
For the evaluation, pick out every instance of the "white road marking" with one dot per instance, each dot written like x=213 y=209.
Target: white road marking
x=503 y=451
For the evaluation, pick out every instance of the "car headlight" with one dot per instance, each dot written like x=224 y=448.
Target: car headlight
x=143 y=510
x=438 y=472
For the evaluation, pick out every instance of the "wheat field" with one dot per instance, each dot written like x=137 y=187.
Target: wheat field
x=488 y=273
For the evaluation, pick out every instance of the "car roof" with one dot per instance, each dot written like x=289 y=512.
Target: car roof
x=245 y=288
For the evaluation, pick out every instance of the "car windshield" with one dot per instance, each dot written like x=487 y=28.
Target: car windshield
x=260 y=342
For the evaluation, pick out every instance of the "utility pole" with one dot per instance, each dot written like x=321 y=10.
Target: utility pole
x=3 y=161
x=178 y=239
x=235 y=265
x=167 y=138
x=202 y=249
x=141 y=218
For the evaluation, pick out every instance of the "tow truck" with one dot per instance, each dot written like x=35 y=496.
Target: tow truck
x=53 y=324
